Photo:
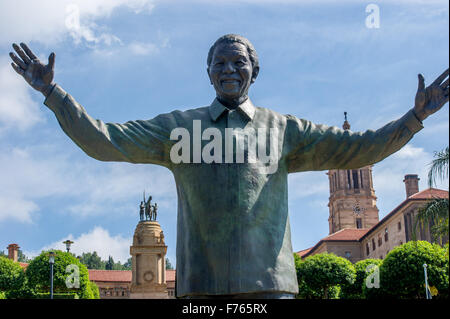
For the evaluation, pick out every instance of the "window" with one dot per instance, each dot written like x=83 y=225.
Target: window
x=348 y=254
x=361 y=174
x=358 y=223
x=349 y=180
x=380 y=241
x=386 y=236
x=399 y=226
x=373 y=244
x=355 y=179
x=367 y=249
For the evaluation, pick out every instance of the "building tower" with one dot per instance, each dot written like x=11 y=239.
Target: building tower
x=352 y=201
x=148 y=257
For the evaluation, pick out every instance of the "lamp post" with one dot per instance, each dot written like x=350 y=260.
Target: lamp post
x=427 y=290
x=51 y=260
x=68 y=242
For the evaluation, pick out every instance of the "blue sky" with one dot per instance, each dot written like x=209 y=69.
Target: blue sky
x=136 y=59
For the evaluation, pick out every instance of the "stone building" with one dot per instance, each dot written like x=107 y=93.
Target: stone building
x=116 y=284
x=355 y=231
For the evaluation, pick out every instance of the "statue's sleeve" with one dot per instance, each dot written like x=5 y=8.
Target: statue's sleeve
x=311 y=147
x=134 y=141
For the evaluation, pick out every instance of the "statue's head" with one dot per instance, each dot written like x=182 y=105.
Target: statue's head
x=232 y=66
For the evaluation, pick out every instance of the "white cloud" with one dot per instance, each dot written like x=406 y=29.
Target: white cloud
x=17 y=109
x=49 y=21
x=139 y=48
x=89 y=187
x=16 y=208
x=388 y=176
x=97 y=239
x=308 y=184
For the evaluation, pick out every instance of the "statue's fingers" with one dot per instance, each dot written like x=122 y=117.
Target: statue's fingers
x=51 y=60
x=421 y=82
x=17 y=61
x=441 y=78
x=21 y=53
x=17 y=69
x=28 y=51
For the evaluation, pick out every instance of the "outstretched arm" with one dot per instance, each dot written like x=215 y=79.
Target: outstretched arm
x=135 y=141
x=318 y=147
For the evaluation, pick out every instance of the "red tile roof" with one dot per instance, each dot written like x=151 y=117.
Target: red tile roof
x=170 y=275
x=346 y=234
x=430 y=193
x=110 y=275
x=23 y=265
x=120 y=275
x=303 y=252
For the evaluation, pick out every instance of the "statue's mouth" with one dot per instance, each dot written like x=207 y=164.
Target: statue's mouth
x=230 y=82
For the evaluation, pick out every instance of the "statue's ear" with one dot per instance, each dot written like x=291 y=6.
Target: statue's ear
x=255 y=74
x=207 y=70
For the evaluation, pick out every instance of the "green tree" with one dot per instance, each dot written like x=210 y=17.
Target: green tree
x=168 y=264
x=402 y=273
x=110 y=263
x=436 y=211
x=128 y=264
x=363 y=268
x=92 y=261
x=320 y=275
x=38 y=274
x=12 y=276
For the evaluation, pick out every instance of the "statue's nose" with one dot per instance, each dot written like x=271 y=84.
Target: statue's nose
x=229 y=68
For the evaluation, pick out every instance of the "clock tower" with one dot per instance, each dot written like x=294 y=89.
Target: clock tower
x=352 y=201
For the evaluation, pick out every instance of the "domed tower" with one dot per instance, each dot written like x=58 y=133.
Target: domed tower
x=352 y=201
x=148 y=258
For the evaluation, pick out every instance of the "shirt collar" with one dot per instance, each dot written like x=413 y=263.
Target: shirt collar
x=246 y=108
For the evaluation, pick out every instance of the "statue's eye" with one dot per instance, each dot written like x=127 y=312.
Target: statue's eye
x=240 y=63
x=218 y=63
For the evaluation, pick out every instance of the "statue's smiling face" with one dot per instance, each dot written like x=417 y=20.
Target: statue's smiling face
x=231 y=70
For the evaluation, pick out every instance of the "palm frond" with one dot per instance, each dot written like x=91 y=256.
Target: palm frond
x=436 y=213
x=439 y=167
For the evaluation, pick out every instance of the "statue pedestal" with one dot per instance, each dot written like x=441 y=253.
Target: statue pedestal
x=149 y=263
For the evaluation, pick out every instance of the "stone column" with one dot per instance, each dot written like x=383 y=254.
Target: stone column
x=148 y=276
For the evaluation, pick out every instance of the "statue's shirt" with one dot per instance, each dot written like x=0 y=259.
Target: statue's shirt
x=233 y=233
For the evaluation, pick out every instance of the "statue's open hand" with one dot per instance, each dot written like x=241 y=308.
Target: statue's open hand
x=431 y=98
x=37 y=74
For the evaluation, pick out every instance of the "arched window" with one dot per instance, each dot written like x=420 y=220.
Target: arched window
x=358 y=223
